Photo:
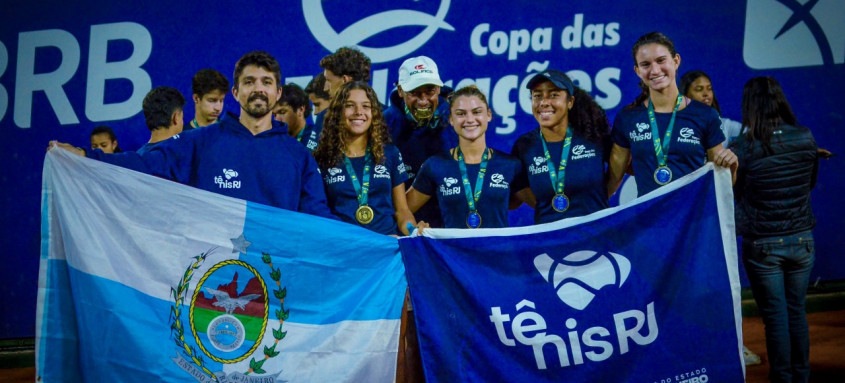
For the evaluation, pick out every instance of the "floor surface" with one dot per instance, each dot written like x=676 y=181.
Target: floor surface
x=827 y=350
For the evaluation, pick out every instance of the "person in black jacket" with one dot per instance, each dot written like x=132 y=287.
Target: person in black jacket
x=778 y=167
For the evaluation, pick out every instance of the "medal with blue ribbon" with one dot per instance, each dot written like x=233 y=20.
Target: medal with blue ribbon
x=662 y=175
x=473 y=218
x=560 y=202
x=364 y=214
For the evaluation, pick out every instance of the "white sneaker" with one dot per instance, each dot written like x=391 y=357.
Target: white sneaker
x=749 y=357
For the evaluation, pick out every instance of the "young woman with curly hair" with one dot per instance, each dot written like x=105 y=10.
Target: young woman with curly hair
x=564 y=159
x=362 y=172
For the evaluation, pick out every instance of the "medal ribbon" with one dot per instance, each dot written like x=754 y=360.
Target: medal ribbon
x=557 y=177
x=662 y=151
x=360 y=190
x=431 y=123
x=300 y=134
x=472 y=196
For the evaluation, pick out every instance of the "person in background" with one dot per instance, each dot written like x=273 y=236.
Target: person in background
x=163 y=113
x=320 y=99
x=346 y=64
x=292 y=110
x=474 y=184
x=565 y=158
x=778 y=169
x=363 y=173
x=209 y=89
x=644 y=135
x=103 y=138
x=697 y=85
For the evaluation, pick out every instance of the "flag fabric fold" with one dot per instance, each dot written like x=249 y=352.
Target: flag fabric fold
x=645 y=292
x=142 y=279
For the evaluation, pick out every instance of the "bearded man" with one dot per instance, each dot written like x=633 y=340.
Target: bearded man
x=249 y=156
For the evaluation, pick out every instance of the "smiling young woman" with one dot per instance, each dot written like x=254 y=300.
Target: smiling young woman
x=565 y=158
x=363 y=174
x=473 y=184
x=662 y=135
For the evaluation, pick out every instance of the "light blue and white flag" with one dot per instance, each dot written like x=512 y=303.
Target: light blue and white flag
x=145 y=280
x=645 y=292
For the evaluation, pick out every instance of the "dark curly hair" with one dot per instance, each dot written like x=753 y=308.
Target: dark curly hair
x=587 y=118
x=332 y=145
x=348 y=61
x=649 y=38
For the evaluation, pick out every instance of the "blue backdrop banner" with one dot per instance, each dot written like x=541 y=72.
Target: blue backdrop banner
x=69 y=66
x=646 y=292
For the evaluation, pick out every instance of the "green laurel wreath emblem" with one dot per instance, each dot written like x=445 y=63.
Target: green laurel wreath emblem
x=228 y=262
x=179 y=294
x=281 y=314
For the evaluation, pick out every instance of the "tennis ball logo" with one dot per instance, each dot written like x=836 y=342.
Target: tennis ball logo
x=578 y=276
x=230 y=173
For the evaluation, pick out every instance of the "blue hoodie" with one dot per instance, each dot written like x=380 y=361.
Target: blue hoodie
x=271 y=168
x=417 y=144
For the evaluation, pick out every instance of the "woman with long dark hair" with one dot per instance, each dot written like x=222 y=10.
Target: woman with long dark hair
x=779 y=164
x=362 y=172
x=697 y=85
x=662 y=134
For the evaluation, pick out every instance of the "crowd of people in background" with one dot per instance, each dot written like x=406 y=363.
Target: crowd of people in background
x=332 y=149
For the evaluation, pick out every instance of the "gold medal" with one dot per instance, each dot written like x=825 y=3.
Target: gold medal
x=364 y=214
